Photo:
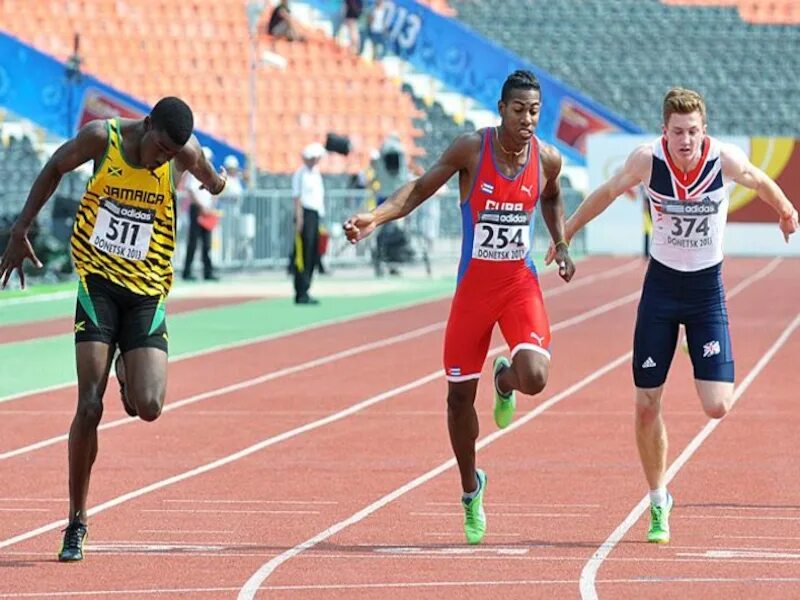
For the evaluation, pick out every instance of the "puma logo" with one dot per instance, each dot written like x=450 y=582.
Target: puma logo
x=539 y=338
x=526 y=189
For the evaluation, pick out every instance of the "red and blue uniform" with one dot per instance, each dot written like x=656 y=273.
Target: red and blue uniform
x=497 y=280
x=684 y=278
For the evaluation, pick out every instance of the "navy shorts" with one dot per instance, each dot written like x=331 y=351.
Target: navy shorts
x=696 y=299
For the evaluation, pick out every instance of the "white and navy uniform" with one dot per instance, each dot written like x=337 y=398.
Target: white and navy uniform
x=683 y=283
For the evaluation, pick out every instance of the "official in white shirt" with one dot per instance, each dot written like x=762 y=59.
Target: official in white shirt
x=308 y=193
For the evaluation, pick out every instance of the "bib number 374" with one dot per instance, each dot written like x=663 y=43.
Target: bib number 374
x=123 y=231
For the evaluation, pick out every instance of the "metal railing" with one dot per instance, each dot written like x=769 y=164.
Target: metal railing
x=258 y=231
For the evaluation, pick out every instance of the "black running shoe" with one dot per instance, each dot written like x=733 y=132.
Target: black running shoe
x=119 y=369
x=74 y=537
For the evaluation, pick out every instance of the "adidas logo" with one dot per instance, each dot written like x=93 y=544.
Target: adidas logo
x=649 y=363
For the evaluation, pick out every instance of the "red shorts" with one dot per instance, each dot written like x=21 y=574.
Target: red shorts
x=517 y=306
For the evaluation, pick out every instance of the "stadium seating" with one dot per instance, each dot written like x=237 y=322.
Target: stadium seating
x=438 y=127
x=627 y=53
x=199 y=51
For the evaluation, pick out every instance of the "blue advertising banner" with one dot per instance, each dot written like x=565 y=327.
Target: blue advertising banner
x=34 y=86
x=476 y=67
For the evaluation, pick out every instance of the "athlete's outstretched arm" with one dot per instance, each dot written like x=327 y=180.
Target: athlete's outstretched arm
x=635 y=171
x=553 y=210
x=89 y=143
x=192 y=158
x=737 y=166
x=409 y=196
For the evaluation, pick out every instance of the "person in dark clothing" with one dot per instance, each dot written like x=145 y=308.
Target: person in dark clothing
x=281 y=24
x=352 y=13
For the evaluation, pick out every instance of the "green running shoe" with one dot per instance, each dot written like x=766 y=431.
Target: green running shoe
x=504 y=404
x=659 y=522
x=474 y=516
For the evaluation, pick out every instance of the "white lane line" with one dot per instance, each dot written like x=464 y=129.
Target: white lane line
x=524 y=505
x=38 y=298
x=454 y=534
x=763 y=508
x=409 y=585
x=332 y=418
x=723 y=554
x=235 y=387
x=241 y=343
x=251 y=587
x=758 y=537
x=589 y=573
x=549 y=515
x=608 y=274
x=225 y=511
x=34 y=499
x=186 y=531
x=205 y=501
x=130 y=592
x=741 y=517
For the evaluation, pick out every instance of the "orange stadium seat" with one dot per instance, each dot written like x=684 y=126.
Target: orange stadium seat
x=785 y=12
x=778 y=12
x=200 y=51
x=439 y=6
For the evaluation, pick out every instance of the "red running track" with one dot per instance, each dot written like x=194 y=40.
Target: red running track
x=560 y=482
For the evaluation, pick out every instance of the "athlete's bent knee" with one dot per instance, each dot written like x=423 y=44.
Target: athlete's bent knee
x=716 y=410
x=149 y=410
x=532 y=381
x=149 y=405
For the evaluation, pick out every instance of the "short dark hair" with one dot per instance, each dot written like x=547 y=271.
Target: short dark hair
x=173 y=116
x=519 y=80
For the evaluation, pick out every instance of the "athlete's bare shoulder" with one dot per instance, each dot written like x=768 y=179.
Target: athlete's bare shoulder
x=642 y=152
x=551 y=160
x=93 y=135
x=468 y=144
x=640 y=162
x=462 y=153
x=95 y=129
x=731 y=153
x=88 y=144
